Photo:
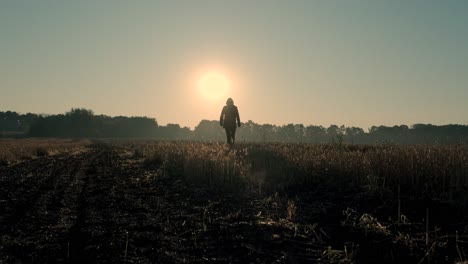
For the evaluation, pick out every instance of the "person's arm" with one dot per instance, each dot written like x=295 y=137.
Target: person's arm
x=221 y=118
x=238 y=117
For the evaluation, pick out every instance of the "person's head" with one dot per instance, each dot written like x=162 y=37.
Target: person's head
x=230 y=101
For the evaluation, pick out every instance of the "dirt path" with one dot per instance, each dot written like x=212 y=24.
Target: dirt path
x=41 y=205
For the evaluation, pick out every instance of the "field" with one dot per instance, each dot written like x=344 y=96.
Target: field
x=138 y=201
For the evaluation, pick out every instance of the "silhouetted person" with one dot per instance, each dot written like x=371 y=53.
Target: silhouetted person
x=228 y=119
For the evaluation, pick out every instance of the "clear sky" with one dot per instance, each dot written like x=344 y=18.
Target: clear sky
x=358 y=63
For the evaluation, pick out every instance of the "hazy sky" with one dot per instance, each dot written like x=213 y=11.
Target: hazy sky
x=358 y=63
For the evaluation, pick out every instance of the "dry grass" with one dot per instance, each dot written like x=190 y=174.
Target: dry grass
x=17 y=150
x=435 y=171
x=211 y=164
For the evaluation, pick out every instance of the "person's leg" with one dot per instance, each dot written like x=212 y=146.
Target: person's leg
x=228 y=136
x=230 y=132
x=233 y=133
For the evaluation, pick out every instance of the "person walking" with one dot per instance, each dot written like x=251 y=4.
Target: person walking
x=229 y=116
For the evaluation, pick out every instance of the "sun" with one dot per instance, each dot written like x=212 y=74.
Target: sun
x=213 y=85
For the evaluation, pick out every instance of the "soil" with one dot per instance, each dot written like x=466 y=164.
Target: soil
x=104 y=206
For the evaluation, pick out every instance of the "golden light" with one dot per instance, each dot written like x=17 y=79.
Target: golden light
x=213 y=85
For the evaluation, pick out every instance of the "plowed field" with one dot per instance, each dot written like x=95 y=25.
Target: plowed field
x=120 y=203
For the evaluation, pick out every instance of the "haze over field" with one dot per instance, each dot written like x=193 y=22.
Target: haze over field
x=357 y=63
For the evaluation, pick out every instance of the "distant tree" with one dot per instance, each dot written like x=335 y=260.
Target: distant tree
x=353 y=134
x=209 y=130
x=174 y=131
x=80 y=122
x=268 y=133
x=316 y=134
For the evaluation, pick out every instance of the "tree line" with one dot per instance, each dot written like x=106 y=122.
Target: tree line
x=83 y=123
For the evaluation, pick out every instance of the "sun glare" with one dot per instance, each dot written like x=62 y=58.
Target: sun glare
x=213 y=85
